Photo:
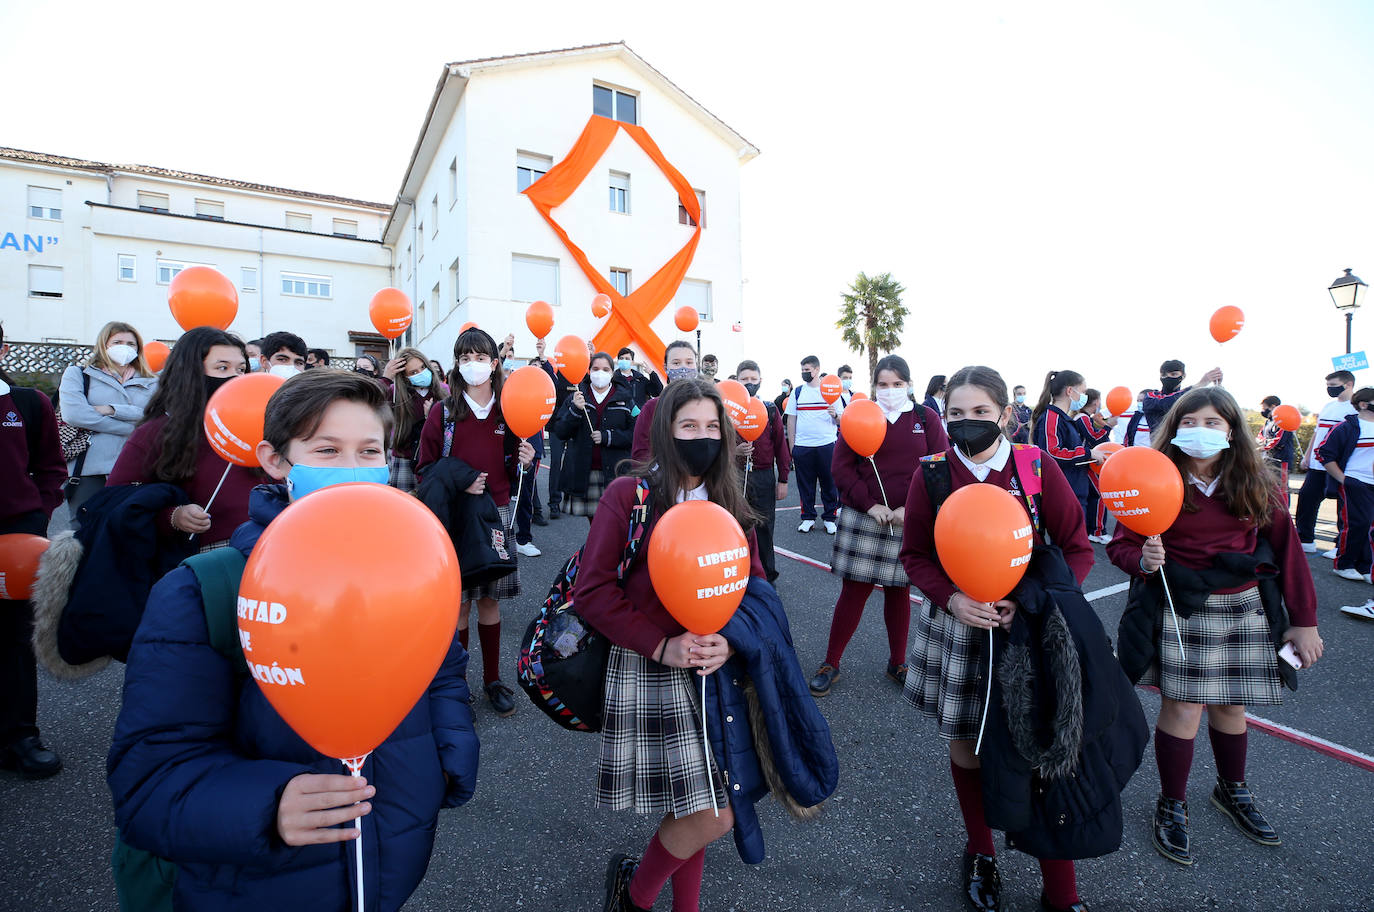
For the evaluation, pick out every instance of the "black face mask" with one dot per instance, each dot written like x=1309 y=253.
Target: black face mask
x=1267 y=413
x=752 y=388
x=1169 y=384
x=364 y=372
x=1335 y=391
x=698 y=453
x=806 y=376
x=214 y=383
x=973 y=435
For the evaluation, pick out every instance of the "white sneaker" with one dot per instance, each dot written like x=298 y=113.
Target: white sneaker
x=806 y=525
x=529 y=550
x=1329 y=555
x=830 y=527
x=1100 y=539
x=1310 y=547
x=1352 y=574
x=1365 y=611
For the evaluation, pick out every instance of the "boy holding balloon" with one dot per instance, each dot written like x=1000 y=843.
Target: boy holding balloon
x=206 y=771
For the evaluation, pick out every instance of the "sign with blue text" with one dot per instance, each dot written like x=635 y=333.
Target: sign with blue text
x=1351 y=362
x=9 y=240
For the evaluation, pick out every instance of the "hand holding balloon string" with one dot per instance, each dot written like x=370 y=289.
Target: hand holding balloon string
x=982 y=615
x=312 y=807
x=1152 y=554
x=705 y=653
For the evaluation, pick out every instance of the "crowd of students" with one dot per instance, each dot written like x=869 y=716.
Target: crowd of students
x=207 y=778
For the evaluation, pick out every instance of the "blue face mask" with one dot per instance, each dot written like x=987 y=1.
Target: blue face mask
x=510 y=364
x=423 y=379
x=681 y=373
x=304 y=479
x=1078 y=403
x=1021 y=400
x=623 y=364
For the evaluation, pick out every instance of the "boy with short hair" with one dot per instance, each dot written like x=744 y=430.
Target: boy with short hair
x=1276 y=444
x=1157 y=403
x=282 y=349
x=316 y=357
x=205 y=773
x=811 y=435
x=1317 y=485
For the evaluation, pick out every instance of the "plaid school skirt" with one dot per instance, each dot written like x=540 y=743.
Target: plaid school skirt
x=652 y=760
x=946 y=675
x=1231 y=660
x=507 y=587
x=401 y=473
x=866 y=551
x=585 y=504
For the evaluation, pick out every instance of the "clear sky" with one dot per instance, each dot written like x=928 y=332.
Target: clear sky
x=1058 y=185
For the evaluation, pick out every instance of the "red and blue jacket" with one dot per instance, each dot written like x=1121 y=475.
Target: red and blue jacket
x=1057 y=435
x=1277 y=443
x=1340 y=444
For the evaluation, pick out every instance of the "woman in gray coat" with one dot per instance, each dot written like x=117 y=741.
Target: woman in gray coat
x=105 y=396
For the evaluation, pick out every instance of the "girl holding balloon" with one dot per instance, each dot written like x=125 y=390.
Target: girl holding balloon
x=598 y=424
x=1227 y=658
x=1054 y=431
x=415 y=390
x=869 y=539
x=652 y=759
x=950 y=653
x=469 y=426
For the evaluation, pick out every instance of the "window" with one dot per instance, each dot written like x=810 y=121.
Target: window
x=345 y=227
x=620 y=192
x=128 y=267
x=685 y=218
x=433 y=306
x=301 y=285
x=45 y=203
x=210 y=209
x=615 y=104
x=529 y=168
x=419 y=242
x=453 y=280
x=452 y=183
x=167 y=270
x=45 y=281
x=299 y=221
x=620 y=279
x=410 y=262
x=248 y=278
x=434 y=215
x=154 y=202
x=697 y=294
x=534 y=279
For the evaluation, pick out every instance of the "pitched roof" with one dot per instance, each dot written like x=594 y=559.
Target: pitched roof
x=62 y=161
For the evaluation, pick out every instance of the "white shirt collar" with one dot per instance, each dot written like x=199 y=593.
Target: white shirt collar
x=697 y=493
x=997 y=463
x=601 y=395
x=481 y=411
x=1206 y=487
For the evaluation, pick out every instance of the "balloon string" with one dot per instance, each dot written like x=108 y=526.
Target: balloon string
x=705 y=743
x=882 y=491
x=519 y=486
x=209 y=503
x=987 y=700
x=355 y=767
x=748 y=464
x=1169 y=597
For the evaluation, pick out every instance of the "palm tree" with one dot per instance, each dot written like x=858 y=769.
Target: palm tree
x=872 y=315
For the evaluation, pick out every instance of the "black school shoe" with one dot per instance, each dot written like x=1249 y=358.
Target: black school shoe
x=31 y=759
x=619 y=873
x=1235 y=800
x=826 y=675
x=982 y=882
x=897 y=673
x=499 y=695
x=1169 y=834
x=1046 y=907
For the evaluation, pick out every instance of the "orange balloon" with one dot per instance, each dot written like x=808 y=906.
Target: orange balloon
x=201 y=296
x=466 y=326
x=831 y=388
x=1109 y=449
x=699 y=564
x=344 y=632
x=863 y=427
x=857 y=394
x=983 y=537
x=539 y=318
x=755 y=420
x=527 y=400
x=1227 y=322
x=19 y=556
x=601 y=306
x=686 y=318
x=736 y=399
x=1288 y=417
x=570 y=358
x=1143 y=489
x=156 y=354
x=391 y=312
x=1119 y=400
x=234 y=417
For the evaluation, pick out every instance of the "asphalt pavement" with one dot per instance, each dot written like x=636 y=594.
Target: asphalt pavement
x=890 y=838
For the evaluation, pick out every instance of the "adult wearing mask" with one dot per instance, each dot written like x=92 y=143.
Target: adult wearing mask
x=170 y=445
x=596 y=421
x=1020 y=416
x=642 y=388
x=415 y=392
x=679 y=363
x=105 y=396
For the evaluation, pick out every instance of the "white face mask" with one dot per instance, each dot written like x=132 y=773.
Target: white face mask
x=475 y=373
x=600 y=379
x=285 y=371
x=122 y=354
x=1201 y=442
x=892 y=398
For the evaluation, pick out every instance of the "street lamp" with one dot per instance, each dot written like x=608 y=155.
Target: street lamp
x=1347 y=293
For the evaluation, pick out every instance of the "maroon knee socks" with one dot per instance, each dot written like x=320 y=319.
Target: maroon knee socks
x=968 y=786
x=1175 y=758
x=657 y=865
x=490 y=637
x=1229 y=752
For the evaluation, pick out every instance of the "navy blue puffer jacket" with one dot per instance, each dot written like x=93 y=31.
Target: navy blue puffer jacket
x=200 y=760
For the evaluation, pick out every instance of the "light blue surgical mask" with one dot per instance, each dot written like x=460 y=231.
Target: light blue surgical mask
x=423 y=379
x=845 y=384
x=1078 y=403
x=1201 y=442
x=510 y=364
x=624 y=364
x=304 y=479
x=1021 y=399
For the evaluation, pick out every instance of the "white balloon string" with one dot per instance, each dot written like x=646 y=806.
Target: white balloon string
x=987 y=700
x=1169 y=597
x=209 y=503
x=355 y=766
x=883 y=492
x=705 y=743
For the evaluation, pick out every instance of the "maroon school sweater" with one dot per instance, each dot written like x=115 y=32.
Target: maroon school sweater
x=770 y=450
x=1060 y=514
x=480 y=442
x=917 y=433
x=630 y=614
x=230 y=509
x=1195 y=538
x=639 y=450
x=29 y=481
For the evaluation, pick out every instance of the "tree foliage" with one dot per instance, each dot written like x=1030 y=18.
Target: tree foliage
x=871 y=316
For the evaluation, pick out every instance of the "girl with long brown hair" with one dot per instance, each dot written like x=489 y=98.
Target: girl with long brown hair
x=415 y=390
x=1233 y=619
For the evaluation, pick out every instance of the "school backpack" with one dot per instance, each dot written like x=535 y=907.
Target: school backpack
x=562 y=664
x=143 y=880
x=935 y=474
